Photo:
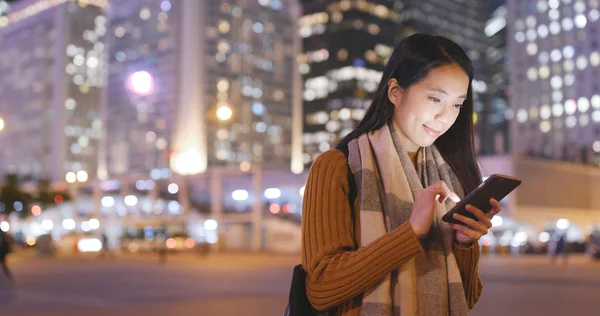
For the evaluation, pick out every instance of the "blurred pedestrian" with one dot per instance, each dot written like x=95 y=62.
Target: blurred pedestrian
x=560 y=249
x=105 y=247
x=5 y=249
x=162 y=247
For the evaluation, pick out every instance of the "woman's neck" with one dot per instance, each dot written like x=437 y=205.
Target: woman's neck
x=406 y=143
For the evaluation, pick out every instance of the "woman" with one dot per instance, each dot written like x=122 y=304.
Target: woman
x=412 y=158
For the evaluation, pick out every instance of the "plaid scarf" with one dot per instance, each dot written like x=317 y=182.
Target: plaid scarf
x=387 y=182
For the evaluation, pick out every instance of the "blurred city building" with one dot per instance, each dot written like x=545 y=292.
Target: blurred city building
x=200 y=84
x=554 y=60
x=493 y=124
x=346 y=45
x=52 y=73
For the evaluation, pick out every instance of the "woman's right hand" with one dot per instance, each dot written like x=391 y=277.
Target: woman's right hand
x=424 y=207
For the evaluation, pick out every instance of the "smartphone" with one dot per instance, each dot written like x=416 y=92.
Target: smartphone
x=497 y=186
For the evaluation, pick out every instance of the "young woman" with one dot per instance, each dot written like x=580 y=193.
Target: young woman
x=412 y=157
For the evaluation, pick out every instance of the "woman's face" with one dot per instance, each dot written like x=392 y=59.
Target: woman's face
x=427 y=109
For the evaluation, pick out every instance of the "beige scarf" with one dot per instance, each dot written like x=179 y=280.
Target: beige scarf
x=387 y=182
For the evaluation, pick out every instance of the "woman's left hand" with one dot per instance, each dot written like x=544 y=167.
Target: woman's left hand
x=471 y=230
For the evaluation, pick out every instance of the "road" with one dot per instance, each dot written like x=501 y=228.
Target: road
x=249 y=285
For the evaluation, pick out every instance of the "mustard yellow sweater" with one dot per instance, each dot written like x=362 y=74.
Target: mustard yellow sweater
x=337 y=275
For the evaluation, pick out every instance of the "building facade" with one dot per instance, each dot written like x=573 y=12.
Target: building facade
x=51 y=80
x=494 y=124
x=200 y=84
x=346 y=45
x=554 y=60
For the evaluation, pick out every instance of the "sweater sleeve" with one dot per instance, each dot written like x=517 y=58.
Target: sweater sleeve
x=468 y=262
x=336 y=272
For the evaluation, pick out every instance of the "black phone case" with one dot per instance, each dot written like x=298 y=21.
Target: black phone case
x=497 y=186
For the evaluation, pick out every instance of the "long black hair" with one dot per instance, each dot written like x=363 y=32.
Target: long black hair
x=410 y=62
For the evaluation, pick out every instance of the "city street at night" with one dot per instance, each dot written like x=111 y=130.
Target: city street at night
x=227 y=284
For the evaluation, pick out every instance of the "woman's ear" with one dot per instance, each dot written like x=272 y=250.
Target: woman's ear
x=394 y=92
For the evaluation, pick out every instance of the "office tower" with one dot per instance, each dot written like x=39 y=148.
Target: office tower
x=51 y=80
x=554 y=59
x=493 y=115
x=346 y=45
x=197 y=84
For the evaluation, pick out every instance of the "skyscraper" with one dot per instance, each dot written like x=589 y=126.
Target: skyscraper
x=195 y=84
x=493 y=119
x=51 y=79
x=347 y=44
x=554 y=60
x=345 y=48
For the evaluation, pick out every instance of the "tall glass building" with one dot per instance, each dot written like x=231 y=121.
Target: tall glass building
x=554 y=54
x=51 y=80
x=347 y=43
x=196 y=84
x=494 y=124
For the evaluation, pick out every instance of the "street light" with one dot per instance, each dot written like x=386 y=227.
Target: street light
x=141 y=83
x=1 y=124
x=224 y=113
x=71 y=177
x=186 y=163
x=82 y=176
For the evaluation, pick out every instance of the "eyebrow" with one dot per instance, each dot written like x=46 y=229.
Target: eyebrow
x=446 y=93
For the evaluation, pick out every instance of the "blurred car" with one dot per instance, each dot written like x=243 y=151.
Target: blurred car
x=74 y=242
x=180 y=242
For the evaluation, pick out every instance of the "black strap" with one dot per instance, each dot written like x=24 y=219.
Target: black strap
x=298 y=304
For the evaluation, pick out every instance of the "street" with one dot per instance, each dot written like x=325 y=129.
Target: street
x=244 y=284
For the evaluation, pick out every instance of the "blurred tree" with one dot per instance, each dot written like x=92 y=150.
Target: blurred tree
x=48 y=197
x=13 y=198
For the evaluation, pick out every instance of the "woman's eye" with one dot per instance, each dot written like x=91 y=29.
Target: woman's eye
x=436 y=100
x=458 y=106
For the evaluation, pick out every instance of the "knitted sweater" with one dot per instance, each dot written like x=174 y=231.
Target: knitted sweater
x=337 y=274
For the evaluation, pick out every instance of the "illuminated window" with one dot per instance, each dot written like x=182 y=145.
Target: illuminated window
x=545 y=112
x=579 y=7
x=531 y=35
x=543 y=57
x=570 y=107
x=568 y=65
x=570 y=122
x=583 y=104
x=545 y=126
x=544 y=72
x=342 y=54
x=554 y=27
x=594 y=15
x=555 y=55
x=532 y=48
x=522 y=116
x=567 y=24
x=556 y=82
x=595 y=100
x=145 y=13
x=542 y=31
x=581 y=62
x=223 y=26
x=557 y=109
x=542 y=6
x=532 y=74
x=569 y=79
x=520 y=37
